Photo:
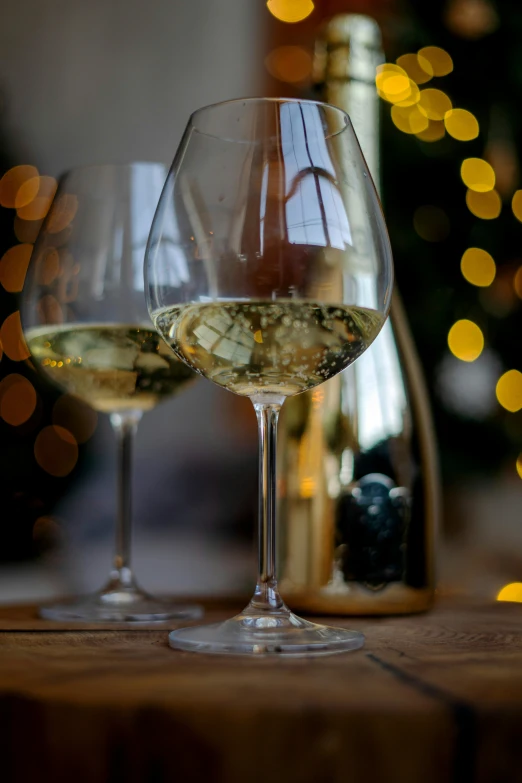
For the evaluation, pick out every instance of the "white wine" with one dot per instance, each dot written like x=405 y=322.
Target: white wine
x=111 y=366
x=278 y=347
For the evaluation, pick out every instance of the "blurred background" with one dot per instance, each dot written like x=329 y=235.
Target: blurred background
x=115 y=82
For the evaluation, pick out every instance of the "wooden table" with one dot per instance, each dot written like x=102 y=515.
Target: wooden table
x=429 y=699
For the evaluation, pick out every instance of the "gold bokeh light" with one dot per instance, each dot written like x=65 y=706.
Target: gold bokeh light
x=478 y=267
x=419 y=73
x=291 y=64
x=484 y=205
x=17 y=399
x=13 y=267
x=62 y=213
x=435 y=58
x=434 y=103
x=12 y=181
x=518 y=465
x=509 y=390
x=517 y=282
x=75 y=416
x=12 y=338
x=290 y=11
x=56 y=450
x=408 y=119
x=461 y=124
x=477 y=174
x=465 y=340
x=38 y=207
x=434 y=132
x=516 y=205
x=511 y=592
x=27 y=230
x=394 y=85
x=431 y=223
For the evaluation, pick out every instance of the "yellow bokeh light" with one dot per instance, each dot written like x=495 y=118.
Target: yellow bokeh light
x=290 y=11
x=465 y=340
x=516 y=205
x=13 y=267
x=509 y=390
x=38 y=208
x=484 y=205
x=511 y=592
x=434 y=132
x=27 y=230
x=27 y=192
x=431 y=223
x=435 y=58
x=434 y=103
x=56 y=450
x=461 y=124
x=518 y=465
x=12 y=181
x=17 y=399
x=413 y=96
x=394 y=85
x=62 y=213
x=478 y=267
x=517 y=282
x=477 y=174
x=408 y=119
x=419 y=73
x=291 y=64
x=12 y=338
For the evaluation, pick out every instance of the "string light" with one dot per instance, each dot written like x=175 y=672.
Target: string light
x=509 y=390
x=486 y=206
x=511 y=592
x=435 y=58
x=478 y=267
x=461 y=124
x=477 y=174
x=465 y=340
x=290 y=11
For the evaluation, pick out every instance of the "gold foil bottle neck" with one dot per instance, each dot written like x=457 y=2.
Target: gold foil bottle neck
x=350 y=47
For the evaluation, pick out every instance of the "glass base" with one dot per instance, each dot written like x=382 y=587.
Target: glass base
x=123 y=605
x=266 y=633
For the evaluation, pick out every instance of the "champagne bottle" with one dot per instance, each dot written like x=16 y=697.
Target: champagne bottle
x=359 y=481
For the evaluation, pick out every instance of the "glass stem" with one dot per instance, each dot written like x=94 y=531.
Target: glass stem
x=124 y=425
x=266 y=596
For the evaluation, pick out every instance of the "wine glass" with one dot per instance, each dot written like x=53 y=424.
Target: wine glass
x=88 y=330
x=268 y=271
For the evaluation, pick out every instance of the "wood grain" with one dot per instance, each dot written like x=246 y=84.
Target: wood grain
x=431 y=698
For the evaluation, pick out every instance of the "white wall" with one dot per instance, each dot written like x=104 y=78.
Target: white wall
x=94 y=81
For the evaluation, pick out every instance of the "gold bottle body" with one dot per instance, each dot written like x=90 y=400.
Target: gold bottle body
x=358 y=475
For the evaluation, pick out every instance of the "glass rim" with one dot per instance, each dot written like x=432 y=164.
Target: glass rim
x=267 y=100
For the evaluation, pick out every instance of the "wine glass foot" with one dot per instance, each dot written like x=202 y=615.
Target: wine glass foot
x=122 y=605
x=274 y=633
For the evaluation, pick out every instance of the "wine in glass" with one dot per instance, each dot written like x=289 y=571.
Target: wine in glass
x=88 y=330
x=268 y=271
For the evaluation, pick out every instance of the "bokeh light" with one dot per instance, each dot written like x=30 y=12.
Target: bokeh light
x=408 y=119
x=12 y=181
x=484 y=205
x=477 y=174
x=56 y=450
x=17 y=399
x=518 y=465
x=435 y=58
x=46 y=532
x=291 y=64
x=517 y=282
x=50 y=310
x=12 y=338
x=13 y=267
x=48 y=266
x=75 y=416
x=434 y=132
x=461 y=124
x=411 y=65
x=509 y=390
x=290 y=11
x=471 y=19
x=394 y=85
x=434 y=103
x=511 y=592
x=39 y=206
x=62 y=213
x=431 y=223
x=516 y=205
x=26 y=230
x=478 y=267
x=465 y=340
